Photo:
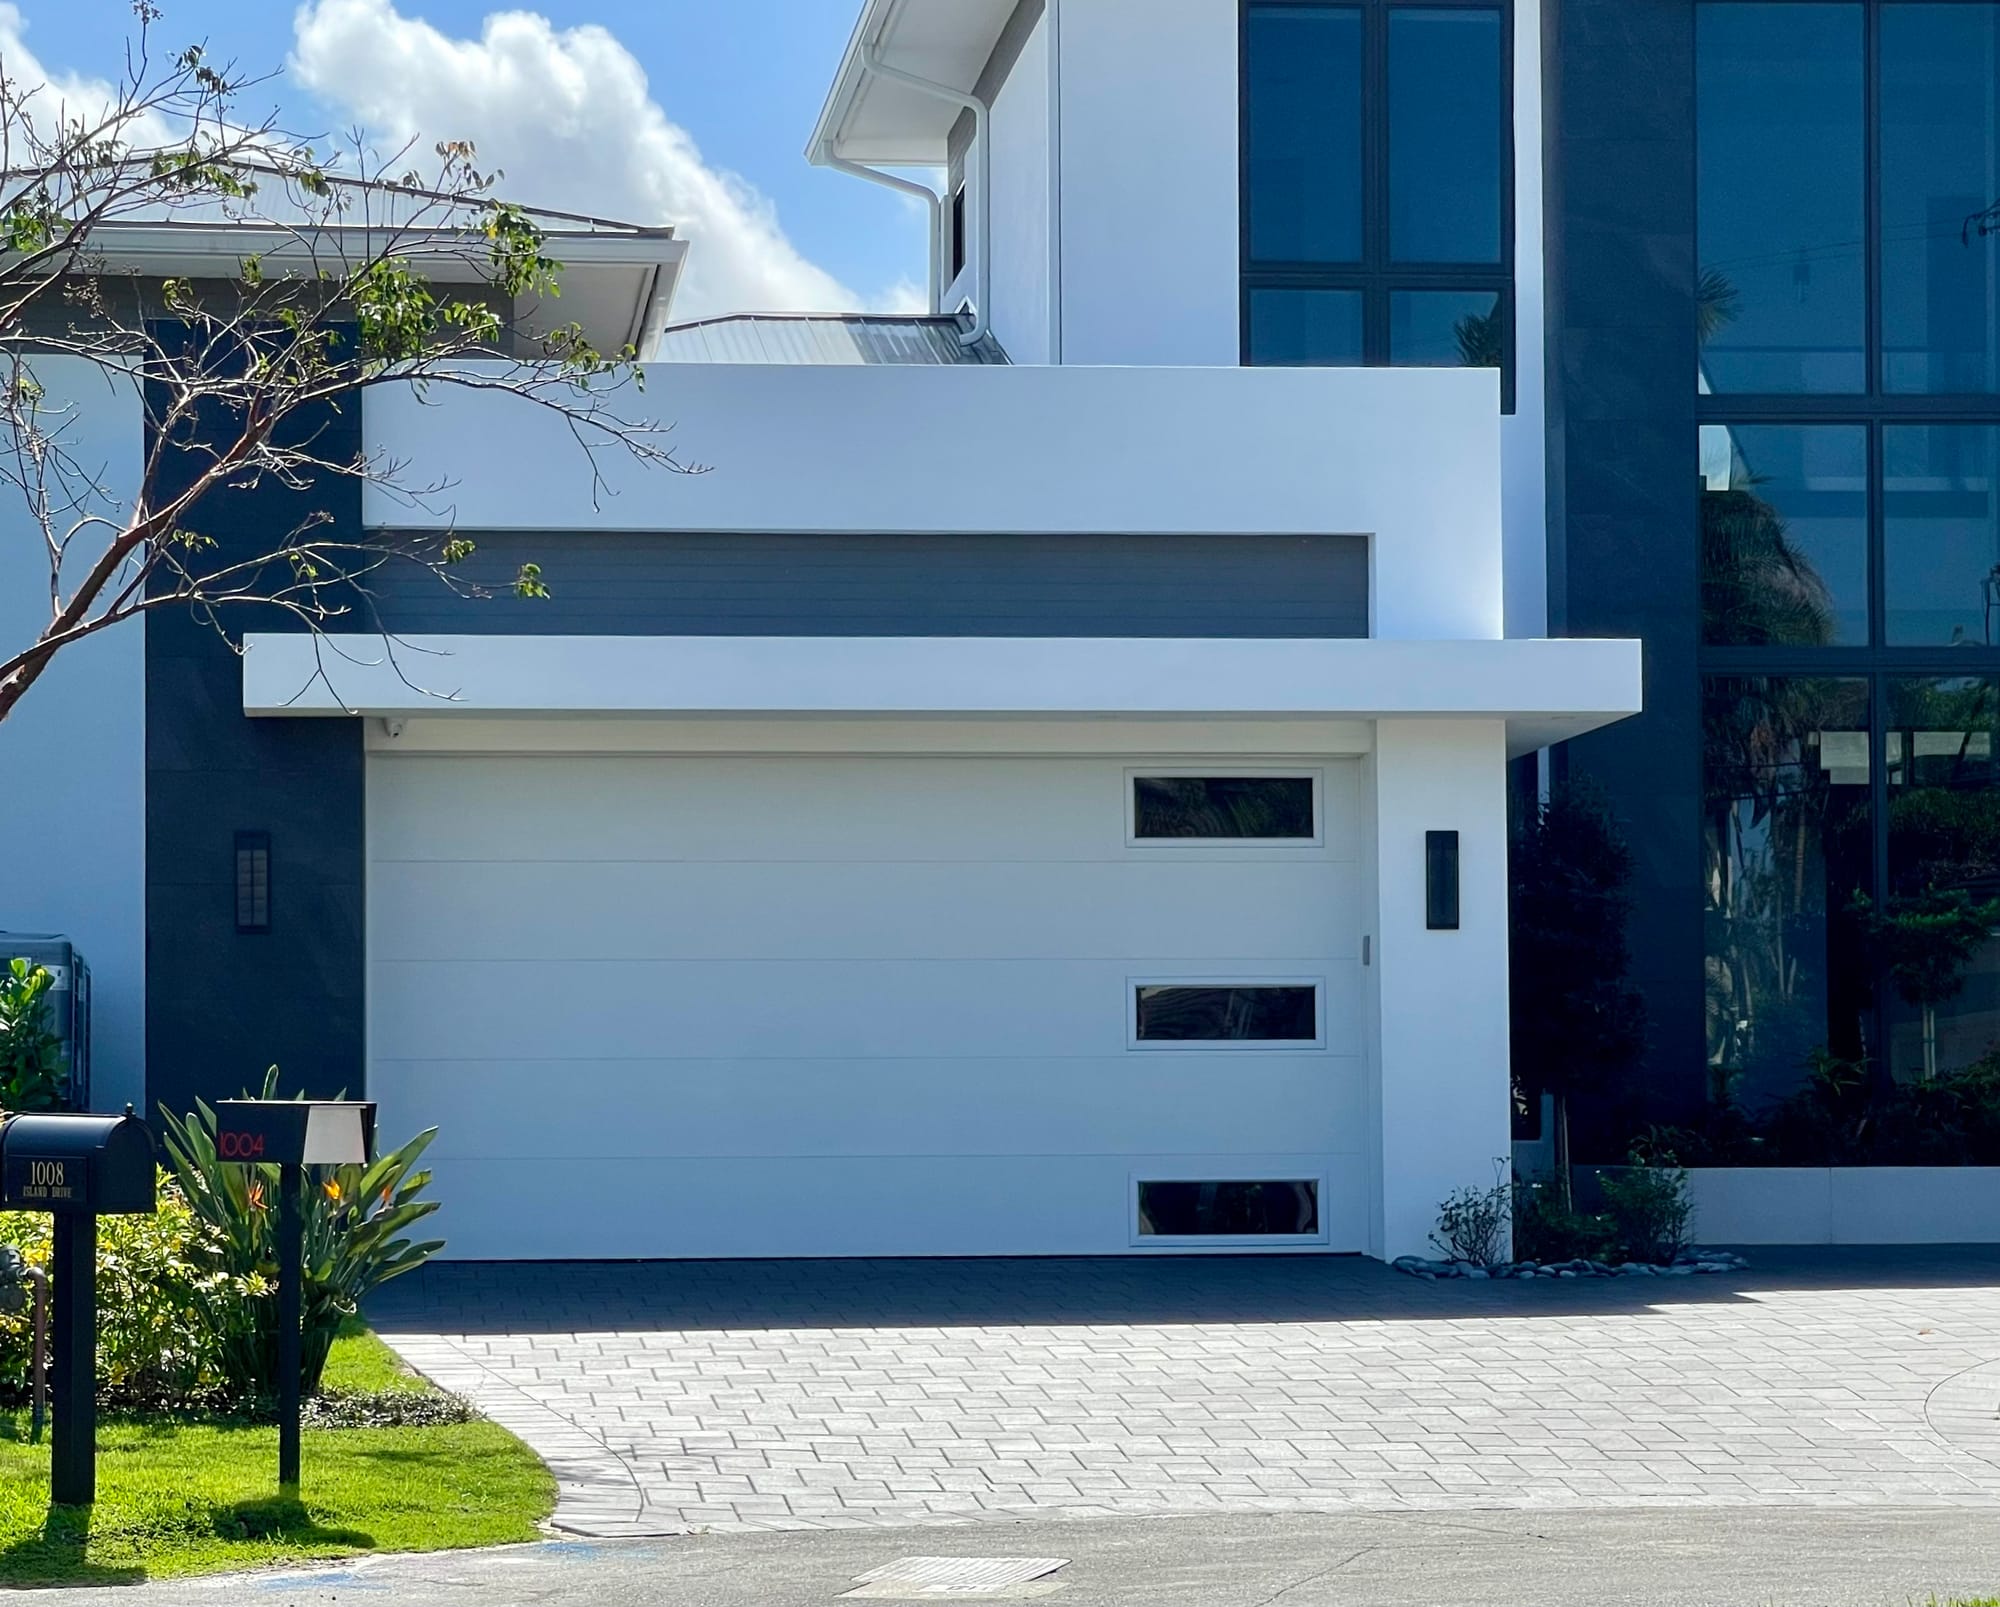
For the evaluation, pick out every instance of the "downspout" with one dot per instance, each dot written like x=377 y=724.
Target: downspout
x=982 y=257
x=823 y=157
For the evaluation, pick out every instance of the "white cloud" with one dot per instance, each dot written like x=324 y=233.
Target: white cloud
x=566 y=113
x=54 y=98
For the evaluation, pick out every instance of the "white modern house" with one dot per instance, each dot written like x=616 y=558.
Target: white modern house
x=1042 y=792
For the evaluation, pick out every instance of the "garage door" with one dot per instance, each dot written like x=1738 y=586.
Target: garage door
x=810 y=1006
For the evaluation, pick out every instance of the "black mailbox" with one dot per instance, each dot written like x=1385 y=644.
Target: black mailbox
x=295 y=1132
x=78 y=1165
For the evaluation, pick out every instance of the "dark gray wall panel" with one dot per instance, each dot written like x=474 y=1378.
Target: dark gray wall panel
x=1623 y=548
x=223 y=1005
x=905 y=585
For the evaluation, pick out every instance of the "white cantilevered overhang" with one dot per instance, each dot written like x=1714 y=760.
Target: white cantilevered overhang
x=1546 y=691
x=873 y=118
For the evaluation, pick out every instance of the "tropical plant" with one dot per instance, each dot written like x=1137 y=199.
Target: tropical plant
x=33 y=1067
x=1786 y=840
x=1925 y=941
x=355 y=1222
x=1578 y=1024
x=1716 y=304
x=1758 y=587
x=1480 y=339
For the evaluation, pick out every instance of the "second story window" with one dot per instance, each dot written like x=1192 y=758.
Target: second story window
x=1377 y=186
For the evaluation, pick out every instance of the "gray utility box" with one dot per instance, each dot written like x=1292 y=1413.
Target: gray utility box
x=68 y=1001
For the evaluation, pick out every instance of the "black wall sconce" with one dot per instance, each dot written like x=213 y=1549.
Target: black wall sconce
x=253 y=881
x=1441 y=881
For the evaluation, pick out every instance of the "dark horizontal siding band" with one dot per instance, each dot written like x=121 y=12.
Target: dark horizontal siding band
x=670 y=584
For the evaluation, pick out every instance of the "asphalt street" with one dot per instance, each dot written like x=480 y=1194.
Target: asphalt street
x=1681 y=1557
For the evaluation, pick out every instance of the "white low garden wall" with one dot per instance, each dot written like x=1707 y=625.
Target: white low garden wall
x=1846 y=1204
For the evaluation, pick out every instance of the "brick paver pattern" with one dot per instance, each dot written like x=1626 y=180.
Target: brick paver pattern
x=754 y=1395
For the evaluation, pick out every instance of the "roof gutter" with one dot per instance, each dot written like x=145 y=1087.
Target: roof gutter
x=822 y=156
x=871 y=59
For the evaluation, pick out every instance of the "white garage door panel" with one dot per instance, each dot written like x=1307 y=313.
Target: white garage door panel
x=750 y=808
x=750 y=1009
x=937 y=910
x=1132 y=1104
x=914 y=1206
x=779 y=1005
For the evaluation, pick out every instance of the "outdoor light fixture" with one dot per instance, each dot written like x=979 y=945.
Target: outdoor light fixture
x=253 y=881
x=1441 y=881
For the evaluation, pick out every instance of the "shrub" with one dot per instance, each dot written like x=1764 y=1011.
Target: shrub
x=160 y=1284
x=32 y=1071
x=1472 y=1225
x=354 y=1222
x=1545 y=1229
x=1651 y=1216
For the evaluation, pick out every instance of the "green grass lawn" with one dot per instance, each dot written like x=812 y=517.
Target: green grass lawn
x=181 y=1498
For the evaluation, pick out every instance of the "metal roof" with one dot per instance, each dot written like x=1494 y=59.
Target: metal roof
x=804 y=338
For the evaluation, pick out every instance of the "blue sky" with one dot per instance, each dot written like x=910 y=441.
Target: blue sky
x=743 y=79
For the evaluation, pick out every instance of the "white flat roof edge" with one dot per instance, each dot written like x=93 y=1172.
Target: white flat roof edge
x=1565 y=687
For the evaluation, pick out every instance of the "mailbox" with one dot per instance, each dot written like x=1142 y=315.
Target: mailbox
x=78 y=1165
x=295 y=1132
x=292 y=1134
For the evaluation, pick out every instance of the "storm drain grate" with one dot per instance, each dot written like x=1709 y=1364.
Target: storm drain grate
x=958 y=1579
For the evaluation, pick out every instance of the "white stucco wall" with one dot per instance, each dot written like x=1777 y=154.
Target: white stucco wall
x=1408 y=457
x=1441 y=1062
x=73 y=754
x=1022 y=308
x=1148 y=209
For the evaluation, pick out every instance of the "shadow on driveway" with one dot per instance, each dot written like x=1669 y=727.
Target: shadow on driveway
x=692 y=1296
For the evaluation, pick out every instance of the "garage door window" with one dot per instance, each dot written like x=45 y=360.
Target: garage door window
x=1204 y=1014
x=1229 y=1210
x=1232 y=809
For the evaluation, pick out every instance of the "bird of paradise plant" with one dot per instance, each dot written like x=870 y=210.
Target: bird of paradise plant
x=356 y=1219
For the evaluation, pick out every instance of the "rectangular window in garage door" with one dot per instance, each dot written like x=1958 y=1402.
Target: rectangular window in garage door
x=1242 y=807
x=1227 y=1211
x=1227 y=1013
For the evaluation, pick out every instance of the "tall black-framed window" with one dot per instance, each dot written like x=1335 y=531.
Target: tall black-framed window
x=1377 y=184
x=1848 y=321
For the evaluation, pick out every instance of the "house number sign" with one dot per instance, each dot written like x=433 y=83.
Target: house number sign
x=32 y=1181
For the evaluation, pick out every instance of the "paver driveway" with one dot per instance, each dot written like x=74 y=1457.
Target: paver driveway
x=805 y=1394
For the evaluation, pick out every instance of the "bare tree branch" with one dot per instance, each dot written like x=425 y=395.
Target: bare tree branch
x=357 y=272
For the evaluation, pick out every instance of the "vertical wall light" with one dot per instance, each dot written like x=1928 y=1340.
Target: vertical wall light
x=1441 y=881
x=253 y=881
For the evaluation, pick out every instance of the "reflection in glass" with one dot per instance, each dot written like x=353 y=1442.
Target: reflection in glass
x=1190 y=1210
x=1940 y=146
x=1784 y=535
x=1444 y=135
x=1305 y=328
x=1446 y=329
x=1302 y=129
x=1786 y=846
x=1252 y=1012
x=1779 y=117
x=1941 y=535
x=1246 y=808
x=1944 y=836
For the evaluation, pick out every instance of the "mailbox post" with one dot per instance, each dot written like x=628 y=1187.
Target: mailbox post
x=293 y=1134
x=78 y=1168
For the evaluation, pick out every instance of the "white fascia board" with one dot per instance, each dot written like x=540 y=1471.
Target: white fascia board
x=1550 y=690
